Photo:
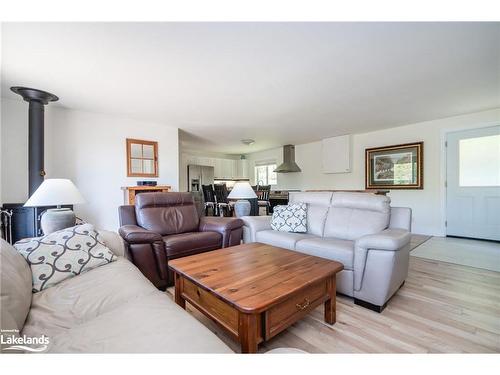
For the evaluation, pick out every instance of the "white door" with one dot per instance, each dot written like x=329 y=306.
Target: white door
x=473 y=183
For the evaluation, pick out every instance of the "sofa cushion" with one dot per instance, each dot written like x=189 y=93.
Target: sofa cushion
x=80 y=299
x=166 y=213
x=290 y=218
x=115 y=309
x=330 y=248
x=181 y=245
x=285 y=240
x=64 y=254
x=317 y=208
x=150 y=324
x=353 y=215
x=15 y=288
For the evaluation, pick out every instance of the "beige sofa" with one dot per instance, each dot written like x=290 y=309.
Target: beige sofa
x=110 y=309
x=360 y=230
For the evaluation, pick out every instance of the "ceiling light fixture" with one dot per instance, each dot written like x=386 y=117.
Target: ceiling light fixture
x=248 y=141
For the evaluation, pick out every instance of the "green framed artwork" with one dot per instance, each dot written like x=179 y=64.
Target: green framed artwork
x=395 y=167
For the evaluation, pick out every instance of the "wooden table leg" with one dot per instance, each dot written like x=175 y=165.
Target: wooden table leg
x=178 y=291
x=248 y=332
x=330 y=304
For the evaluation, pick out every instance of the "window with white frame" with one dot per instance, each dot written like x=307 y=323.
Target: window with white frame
x=264 y=173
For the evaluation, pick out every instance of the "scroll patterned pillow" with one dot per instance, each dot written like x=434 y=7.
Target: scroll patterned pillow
x=291 y=218
x=64 y=254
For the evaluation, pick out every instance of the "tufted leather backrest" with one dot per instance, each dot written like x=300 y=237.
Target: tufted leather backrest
x=166 y=213
x=353 y=215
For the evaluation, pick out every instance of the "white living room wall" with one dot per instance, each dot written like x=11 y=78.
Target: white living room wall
x=89 y=149
x=427 y=204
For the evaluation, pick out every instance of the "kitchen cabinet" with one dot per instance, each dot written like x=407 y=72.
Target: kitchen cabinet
x=207 y=162
x=228 y=168
x=223 y=168
x=242 y=168
x=218 y=168
x=234 y=168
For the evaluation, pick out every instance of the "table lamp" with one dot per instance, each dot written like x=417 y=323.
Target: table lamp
x=241 y=191
x=56 y=192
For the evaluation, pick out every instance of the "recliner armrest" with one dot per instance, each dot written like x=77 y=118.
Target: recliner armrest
x=231 y=229
x=135 y=234
x=219 y=224
x=389 y=239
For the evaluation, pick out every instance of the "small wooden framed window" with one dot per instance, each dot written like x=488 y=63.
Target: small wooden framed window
x=142 y=158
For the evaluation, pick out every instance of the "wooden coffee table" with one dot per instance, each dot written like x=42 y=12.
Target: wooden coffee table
x=255 y=291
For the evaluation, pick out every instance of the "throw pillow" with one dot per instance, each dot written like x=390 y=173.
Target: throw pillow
x=64 y=254
x=291 y=218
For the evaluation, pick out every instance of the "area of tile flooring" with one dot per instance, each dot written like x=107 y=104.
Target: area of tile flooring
x=417 y=240
x=472 y=253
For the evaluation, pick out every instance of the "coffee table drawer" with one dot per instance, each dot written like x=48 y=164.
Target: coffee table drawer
x=211 y=306
x=281 y=316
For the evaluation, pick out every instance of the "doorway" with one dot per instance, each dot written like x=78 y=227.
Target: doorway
x=473 y=183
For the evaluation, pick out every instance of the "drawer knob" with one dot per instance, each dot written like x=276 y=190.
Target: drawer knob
x=303 y=305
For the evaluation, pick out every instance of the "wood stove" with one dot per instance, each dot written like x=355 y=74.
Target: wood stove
x=25 y=221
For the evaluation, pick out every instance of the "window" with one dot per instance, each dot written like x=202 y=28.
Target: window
x=265 y=175
x=142 y=158
x=480 y=161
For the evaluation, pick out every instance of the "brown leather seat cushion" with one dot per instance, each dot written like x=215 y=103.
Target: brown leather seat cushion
x=181 y=245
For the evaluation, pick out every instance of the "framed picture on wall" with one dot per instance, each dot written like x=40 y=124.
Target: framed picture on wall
x=395 y=167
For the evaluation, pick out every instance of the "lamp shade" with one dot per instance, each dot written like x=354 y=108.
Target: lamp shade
x=55 y=192
x=242 y=190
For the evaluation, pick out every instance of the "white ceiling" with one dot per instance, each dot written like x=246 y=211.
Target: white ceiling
x=275 y=82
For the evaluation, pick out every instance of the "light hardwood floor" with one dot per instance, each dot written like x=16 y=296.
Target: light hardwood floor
x=442 y=308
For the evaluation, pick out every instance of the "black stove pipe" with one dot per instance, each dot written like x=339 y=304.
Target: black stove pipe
x=37 y=99
x=36 y=161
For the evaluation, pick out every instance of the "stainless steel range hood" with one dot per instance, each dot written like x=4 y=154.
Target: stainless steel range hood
x=289 y=164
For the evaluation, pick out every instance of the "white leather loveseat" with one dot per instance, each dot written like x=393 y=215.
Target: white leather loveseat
x=359 y=230
x=109 y=309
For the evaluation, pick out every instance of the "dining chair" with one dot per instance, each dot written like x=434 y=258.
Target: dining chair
x=209 y=198
x=263 y=196
x=224 y=208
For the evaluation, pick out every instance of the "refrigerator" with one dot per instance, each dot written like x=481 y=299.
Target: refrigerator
x=199 y=175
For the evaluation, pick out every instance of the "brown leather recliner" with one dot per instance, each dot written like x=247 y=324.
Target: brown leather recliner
x=165 y=226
